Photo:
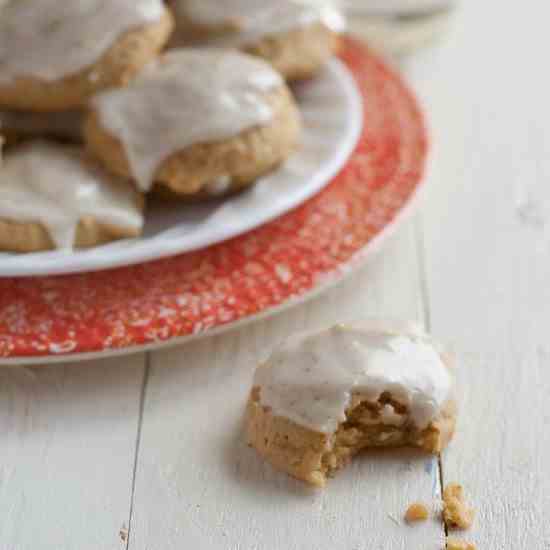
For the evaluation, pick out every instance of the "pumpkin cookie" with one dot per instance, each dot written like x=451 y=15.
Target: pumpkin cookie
x=295 y=36
x=322 y=398
x=51 y=196
x=65 y=125
x=55 y=55
x=195 y=120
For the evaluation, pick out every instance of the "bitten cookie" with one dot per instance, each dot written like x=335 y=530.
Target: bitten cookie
x=52 y=196
x=296 y=37
x=55 y=55
x=324 y=397
x=196 y=121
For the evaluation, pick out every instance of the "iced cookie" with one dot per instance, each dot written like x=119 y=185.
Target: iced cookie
x=52 y=196
x=322 y=398
x=296 y=36
x=195 y=120
x=54 y=55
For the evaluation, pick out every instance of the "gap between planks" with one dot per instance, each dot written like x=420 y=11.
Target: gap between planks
x=142 y=396
x=425 y=300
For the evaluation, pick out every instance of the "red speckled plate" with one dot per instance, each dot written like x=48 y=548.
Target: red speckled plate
x=168 y=301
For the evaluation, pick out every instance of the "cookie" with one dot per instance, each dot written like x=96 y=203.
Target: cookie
x=52 y=196
x=296 y=37
x=65 y=125
x=55 y=55
x=322 y=398
x=298 y=54
x=195 y=120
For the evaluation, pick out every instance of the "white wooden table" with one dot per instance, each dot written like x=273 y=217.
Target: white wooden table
x=149 y=445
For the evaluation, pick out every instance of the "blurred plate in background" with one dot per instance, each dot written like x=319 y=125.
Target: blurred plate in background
x=331 y=110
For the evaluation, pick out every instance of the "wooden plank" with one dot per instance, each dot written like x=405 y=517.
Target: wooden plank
x=67 y=439
x=488 y=261
x=199 y=486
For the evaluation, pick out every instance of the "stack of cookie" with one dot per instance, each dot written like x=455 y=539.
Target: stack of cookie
x=173 y=99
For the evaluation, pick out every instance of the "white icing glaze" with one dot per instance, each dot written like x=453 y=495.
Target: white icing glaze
x=52 y=39
x=311 y=378
x=395 y=7
x=186 y=97
x=55 y=186
x=65 y=124
x=254 y=19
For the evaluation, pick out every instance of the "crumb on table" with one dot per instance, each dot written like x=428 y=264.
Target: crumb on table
x=457 y=514
x=455 y=544
x=123 y=534
x=416 y=512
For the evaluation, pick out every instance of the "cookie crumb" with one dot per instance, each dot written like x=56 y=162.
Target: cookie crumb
x=416 y=512
x=123 y=534
x=457 y=514
x=455 y=544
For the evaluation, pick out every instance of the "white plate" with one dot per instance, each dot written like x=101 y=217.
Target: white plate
x=332 y=114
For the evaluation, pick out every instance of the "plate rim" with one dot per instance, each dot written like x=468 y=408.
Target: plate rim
x=329 y=279
x=337 y=162
x=357 y=262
